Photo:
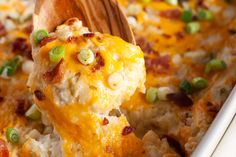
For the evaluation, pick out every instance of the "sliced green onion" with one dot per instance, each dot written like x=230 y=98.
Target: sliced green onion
x=151 y=94
x=192 y=27
x=186 y=87
x=11 y=66
x=215 y=65
x=204 y=14
x=33 y=113
x=199 y=83
x=56 y=54
x=187 y=16
x=40 y=35
x=86 y=56
x=172 y=2
x=12 y=135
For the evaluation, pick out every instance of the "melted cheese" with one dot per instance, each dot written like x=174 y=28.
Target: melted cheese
x=80 y=124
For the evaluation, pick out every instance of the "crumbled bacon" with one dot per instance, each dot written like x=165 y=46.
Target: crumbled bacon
x=39 y=95
x=56 y=74
x=232 y=31
x=202 y=4
x=108 y=149
x=22 y=106
x=29 y=28
x=176 y=145
x=171 y=14
x=167 y=36
x=211 y=107
x=179 y=35
x=88 y=35
x=1 y=99
x=105 y=121
x=127 y=130
x=145 y=45
x=47 y=40
x=180 y=98
x=99 y=62
x=2 y=30
x=158 y=64
x=21 y=46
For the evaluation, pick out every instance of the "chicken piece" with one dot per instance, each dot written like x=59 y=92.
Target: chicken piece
x=78 y=78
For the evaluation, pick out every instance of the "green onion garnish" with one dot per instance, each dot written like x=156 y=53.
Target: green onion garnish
x=199 y=83
x=186 y=87
x=11 y=66
x=215 y=65
x=187 y=16
x=192 y=27
x=151 y=94
x=40 y=35
x=33 y=113
x=12 y=135
x=56 y=54
x=172 y=2
x=204 y=14
x=86 y=56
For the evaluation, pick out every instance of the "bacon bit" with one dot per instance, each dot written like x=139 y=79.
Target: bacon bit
x=1 y=99
x=127 y=130
x=108 y=149
x=47 y=40
x=29 y=28
x=99 y=62
x=2 y=30
x=232 y=31
x=21 y=46
x=171 y=14
x=3 y=149
x=159 y=64
x=39 y=95
x=201 y=3
x=176 y=145
x=179 y=35
x=88 y=35
x=56 y=74
x=167 y=36
x=22 y=106
x=211 y=107
x=145 y=46
x=105 y=121
x=180 y=99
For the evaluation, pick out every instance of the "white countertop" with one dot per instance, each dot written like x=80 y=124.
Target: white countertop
x=227 y=145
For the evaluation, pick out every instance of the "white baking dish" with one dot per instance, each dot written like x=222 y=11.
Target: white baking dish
x=218 y=128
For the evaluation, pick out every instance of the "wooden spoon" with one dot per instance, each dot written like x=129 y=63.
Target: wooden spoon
x=103 y=16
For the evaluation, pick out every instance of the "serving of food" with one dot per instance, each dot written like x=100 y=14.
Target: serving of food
x=73 y=92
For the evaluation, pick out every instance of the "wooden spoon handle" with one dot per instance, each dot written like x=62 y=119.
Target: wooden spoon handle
x=104 y=16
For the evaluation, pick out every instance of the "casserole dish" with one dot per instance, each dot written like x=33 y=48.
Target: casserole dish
x=179 y=51
x=218 y=128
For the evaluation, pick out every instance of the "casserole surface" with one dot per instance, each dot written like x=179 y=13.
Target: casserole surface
x=173 y=53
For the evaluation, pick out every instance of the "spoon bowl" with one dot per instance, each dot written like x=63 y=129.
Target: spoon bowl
x=103 y=16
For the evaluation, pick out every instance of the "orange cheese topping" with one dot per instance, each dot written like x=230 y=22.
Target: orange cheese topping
x=81 y=118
